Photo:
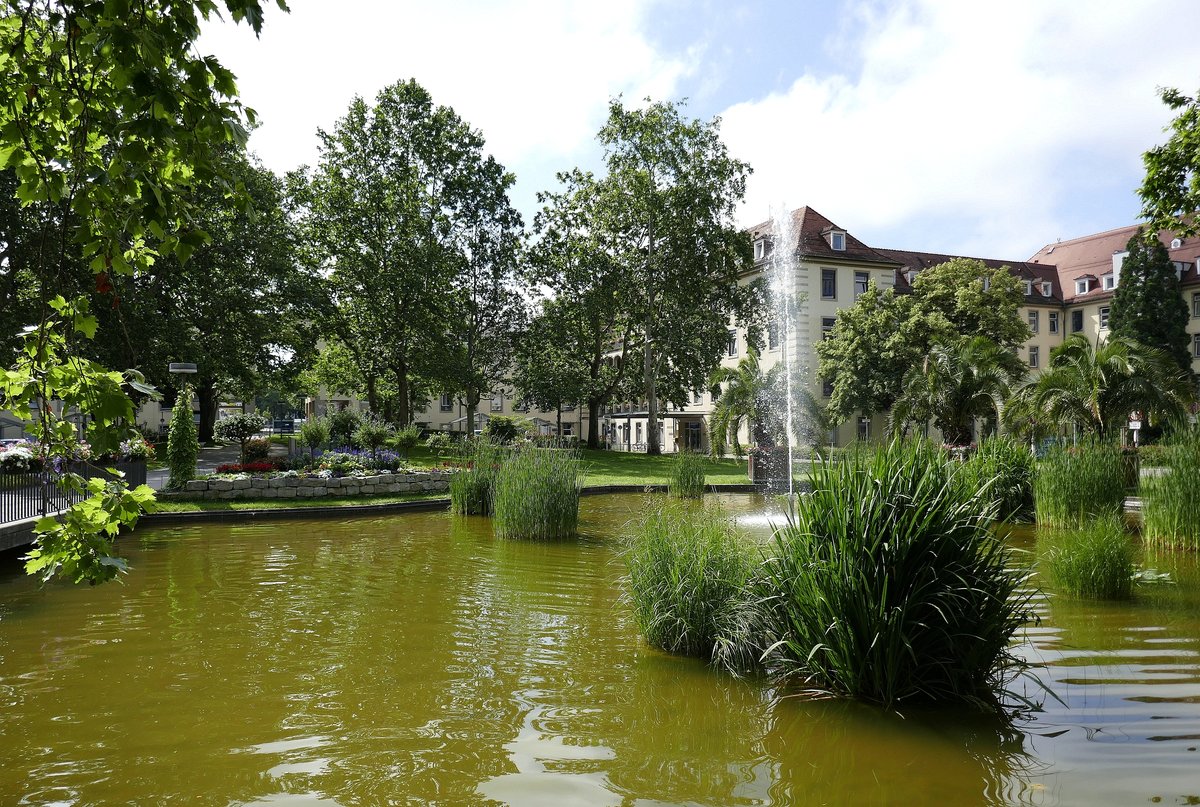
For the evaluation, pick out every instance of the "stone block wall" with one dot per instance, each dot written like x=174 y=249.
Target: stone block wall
x=293 y=487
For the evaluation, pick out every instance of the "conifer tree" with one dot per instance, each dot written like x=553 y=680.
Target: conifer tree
x=1147 y=306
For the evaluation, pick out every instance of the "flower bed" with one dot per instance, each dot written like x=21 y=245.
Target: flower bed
x=295 y=484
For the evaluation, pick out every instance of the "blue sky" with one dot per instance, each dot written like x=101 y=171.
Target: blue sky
x=963 y=127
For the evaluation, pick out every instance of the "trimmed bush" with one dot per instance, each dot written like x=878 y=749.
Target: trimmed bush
x=688 y=576
x=888 y=585
x=239 y=429
x=687 y=476
x=1095 y=560
x=314 y=433
x=1005 y=469
x=438 y=443
x=183 y=446
x=372 y=434
x=257 y=449
x=471 y=485
x=406 y=439
x=342 y=425
x=536 y=494
x=1076 y=485
x=1170 y=504
x=504 y=429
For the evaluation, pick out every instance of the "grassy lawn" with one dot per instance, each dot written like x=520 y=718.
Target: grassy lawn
x=197 y=505
x=625 y=468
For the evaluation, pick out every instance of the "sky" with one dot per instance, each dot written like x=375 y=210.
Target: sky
x=955 y=126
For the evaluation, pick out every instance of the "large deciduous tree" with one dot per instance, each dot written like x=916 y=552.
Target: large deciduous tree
x=1171 y=190
x=413 y=223
x=1147 y=306
x=666 y=210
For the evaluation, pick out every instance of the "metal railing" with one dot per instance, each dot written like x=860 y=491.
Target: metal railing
x=33 y=495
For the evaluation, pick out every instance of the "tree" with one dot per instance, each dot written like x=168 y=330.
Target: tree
x=107 y=118
x=879 y=339
x=748 y=395
x=182 y=446
x=959 y=381
x=413 y=226
x=240 y=429
x=1147 y=307
x=666 y=209
x=1171 y=190
x=1096 y=388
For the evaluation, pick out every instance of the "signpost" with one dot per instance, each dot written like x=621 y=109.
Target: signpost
x=1135 y=425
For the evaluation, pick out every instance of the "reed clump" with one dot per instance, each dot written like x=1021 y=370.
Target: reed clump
x=535 y=494
x=888 y=585
x=1170 y=504
x=472 y=483
x=1095 y=560
x=687 y=476
x=1004 y=469
x=689 y=573
x=1078 y=484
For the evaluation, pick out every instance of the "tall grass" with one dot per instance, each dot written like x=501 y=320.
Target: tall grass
x=687 y=476
x=888 y=585
x=1171 y=500
x=1004 y=469
x=688 y=576
x=1095 y=560
x=1075 y=485
x=471 y=485
x=536 y=494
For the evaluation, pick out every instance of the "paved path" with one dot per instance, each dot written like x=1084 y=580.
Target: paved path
x=206 y=463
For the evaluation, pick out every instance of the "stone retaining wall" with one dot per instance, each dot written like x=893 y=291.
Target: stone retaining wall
x=311 y=487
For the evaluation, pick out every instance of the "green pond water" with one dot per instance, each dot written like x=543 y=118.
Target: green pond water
x=414 y=659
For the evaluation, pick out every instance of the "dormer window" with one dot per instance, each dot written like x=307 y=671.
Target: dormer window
x=1110 y=281
x=1082 y=286
x=1028 y=288
x=1047 y=288
x=837 y=240
x=760 y=249
x=987 y=282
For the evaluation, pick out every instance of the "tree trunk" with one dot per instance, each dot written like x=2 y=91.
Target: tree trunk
x=404 y=413
x=593 y=438
x=372 y=393
x=472 y=410
x=652 y=438
x=206 y=392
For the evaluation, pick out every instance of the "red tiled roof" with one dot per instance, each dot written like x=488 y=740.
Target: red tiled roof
x=810 y=228
x=1038 y=273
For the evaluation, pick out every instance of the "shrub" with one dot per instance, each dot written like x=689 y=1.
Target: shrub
x=1095 y=560
x=471 y=485
x=687 y=476
x=1153 y=455
x=372 y=433
x=314 y=433
x=688 y=576
x=260 y=467
x=406 y=439
x=342 y=425
x=1075 y=485
x=239 y=429
x=1005 y=468
x=341 y=463
x=438 y=443
x=505 y=430
x=1170 y=504
x=535 y=495
x=17 y=459
x=137 y=448
x=887 y=584
x=257 y=449
x=183 y=446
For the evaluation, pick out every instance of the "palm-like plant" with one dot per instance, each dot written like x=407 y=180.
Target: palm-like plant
x=1097 y=387
x=746 y=395
x=958 y=382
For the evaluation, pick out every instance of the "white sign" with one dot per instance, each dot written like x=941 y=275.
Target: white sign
x=1135 y=424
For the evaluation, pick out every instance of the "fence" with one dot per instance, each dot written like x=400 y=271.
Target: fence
x=33 y=495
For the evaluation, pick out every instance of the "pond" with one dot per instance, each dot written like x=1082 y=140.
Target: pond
x=416 y=659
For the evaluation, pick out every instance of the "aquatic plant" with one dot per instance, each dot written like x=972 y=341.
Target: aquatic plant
x=471 y=484
x=687 y=476
x=1095 y=560
x=887 y=584
x=1170 y=506
x=535 y=494
x=1005 y=468
x=688 y=576
x=1077 y=484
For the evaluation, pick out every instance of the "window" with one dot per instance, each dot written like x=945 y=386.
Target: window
x=731 y=348
x=497 y=403
x=568 y=407
x=1033 y=356
x=639 y=433
x=837 y=240
x=697 y=398
x=760 y=249
x=1028 y=288
x=860 y=283
x=1034 y=316
x=1196 y=346
x=864 y=428
x=1076 y=321
x=1047 y=288
x=521 y=406
x=1104 y=317
x=773 y=335
x=1081 y=286
x=987 y=282
x=827 y=388
x=829 y=284
x=1110 y=281
x=566 y=429
x=1196 y=305
x=446 y=404
x=827 y=324
x=1053 y=321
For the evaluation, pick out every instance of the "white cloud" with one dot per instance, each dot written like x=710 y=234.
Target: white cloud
x=534 y=77
x=993 y=118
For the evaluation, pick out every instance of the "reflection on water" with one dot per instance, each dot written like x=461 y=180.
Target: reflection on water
x=415 y=659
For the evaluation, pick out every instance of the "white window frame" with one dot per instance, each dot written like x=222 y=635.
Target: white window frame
x=833 y=278
x=1196 y=346
x=827 y=326
x=837 y=241
x=1082 y=285
x=1047 y=288
x=1028 y=288
x=865 y=279
x=1103 y=317
x=1034 y=319
x=731 y=349
x=498 y=403
x=760 y=249
x=1109 y=281
x=1196 y=304
x=1034 y=356
x=1052 y=321
x=446 y=403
